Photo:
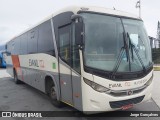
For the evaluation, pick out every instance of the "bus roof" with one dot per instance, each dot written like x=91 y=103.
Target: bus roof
x=76 y=9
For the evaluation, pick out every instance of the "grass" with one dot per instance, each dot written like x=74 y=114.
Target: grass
x=156 y=68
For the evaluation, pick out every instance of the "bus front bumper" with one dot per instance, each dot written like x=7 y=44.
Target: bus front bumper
x=95 y=102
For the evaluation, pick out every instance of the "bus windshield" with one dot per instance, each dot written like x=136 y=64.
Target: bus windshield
x=105 y=38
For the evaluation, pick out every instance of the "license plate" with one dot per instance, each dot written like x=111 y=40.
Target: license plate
x=127 y=107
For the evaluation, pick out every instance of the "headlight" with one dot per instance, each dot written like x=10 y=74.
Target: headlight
x=96 y=86
x=149 y=81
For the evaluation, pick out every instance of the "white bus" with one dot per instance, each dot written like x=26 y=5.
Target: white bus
x=93 y=59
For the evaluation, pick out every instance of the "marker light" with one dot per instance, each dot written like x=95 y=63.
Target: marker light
x=96 y=86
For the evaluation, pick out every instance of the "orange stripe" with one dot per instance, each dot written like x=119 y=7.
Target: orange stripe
x=15 y=60
x=16 y=64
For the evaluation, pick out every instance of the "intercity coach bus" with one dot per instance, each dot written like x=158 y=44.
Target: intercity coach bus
x=93 y=59
x=2 y=56
x=2 y=59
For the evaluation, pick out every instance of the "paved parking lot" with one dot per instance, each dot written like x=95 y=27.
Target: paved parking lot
x=156 y=89
x=25 y=98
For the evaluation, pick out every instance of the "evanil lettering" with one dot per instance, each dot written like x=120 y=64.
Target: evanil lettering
x=33 y=63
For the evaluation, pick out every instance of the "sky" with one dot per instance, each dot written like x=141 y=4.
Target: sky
x=19 y=15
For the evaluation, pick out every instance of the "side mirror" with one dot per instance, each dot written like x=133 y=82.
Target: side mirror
x=79 y=34
x=78 y=30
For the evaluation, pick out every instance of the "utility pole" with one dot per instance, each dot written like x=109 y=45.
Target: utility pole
x=158 y=34
x=138 y=5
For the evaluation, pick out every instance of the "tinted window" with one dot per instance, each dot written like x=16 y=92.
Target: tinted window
x=16 y=46
x=75 y=52
x=32 y=40
x=12 y=46
x=64 y=44
x=103 y=41
x=61 y=20
x=45 y=39
x=23 y=47
x=9 y=47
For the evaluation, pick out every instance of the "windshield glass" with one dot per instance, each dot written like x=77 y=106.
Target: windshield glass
x=104 y=39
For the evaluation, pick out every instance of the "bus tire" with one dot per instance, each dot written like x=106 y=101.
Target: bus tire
x=16 y=78
x=53 y=96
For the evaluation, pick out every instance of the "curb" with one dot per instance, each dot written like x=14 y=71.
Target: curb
x=156 y=68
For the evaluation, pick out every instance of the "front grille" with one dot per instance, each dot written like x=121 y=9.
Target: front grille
x=125 y=92
x=119 y=104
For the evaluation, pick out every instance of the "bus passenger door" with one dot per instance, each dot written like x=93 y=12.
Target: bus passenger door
x=65 y=63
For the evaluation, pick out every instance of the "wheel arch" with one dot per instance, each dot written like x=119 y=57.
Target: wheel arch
x=49 y=78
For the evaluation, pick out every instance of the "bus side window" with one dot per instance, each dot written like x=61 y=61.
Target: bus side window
x=64 y=43
x=23 y=44
x=32 y=40
x=45 y=39
x=16 y=46
x=75 y=52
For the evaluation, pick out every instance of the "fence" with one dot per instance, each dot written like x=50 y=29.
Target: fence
x=156 y=55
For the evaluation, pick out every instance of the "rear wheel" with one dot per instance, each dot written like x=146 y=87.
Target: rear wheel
x=16 y=78
x=53 y=96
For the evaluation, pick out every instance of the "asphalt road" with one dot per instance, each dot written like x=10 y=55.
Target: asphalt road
x=22 y=97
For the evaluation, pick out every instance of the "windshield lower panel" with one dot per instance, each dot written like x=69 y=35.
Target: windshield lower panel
x=104 y=39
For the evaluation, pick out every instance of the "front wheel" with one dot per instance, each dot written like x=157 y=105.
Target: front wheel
x=53 y=96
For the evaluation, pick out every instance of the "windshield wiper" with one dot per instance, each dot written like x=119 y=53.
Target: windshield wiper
x=119 y=59
x=132 y=46
x=126 y=48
